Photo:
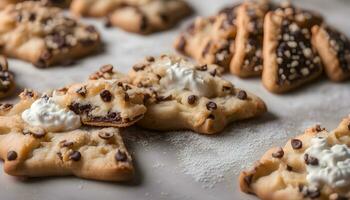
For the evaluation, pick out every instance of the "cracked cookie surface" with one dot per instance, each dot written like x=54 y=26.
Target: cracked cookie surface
x=103 y=102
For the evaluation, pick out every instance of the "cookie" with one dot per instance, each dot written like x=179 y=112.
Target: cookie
x=290 y=60
x=33 y=150
x=59 y=3
x=7 y=83
x=247 y=60
x=156 y=15
x=314 y=165
x=210 y=40
x=182 y=95
x=334 y=50
x=144 y=17
x=103 y=103
x=44 y=36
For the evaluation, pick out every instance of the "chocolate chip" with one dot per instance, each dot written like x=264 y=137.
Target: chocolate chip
x=242 y=95
x=65 y=143
x=105 y=135
x=289 y=168
x=78 y=108
x=192 y=99
x=309 y=160
x=82 y=91
x=211 y=106
x=126 y=97
x=75 y=155
x=278 y=154
x=106 y=95
x=150 y=59
x=213 y=73
x=296 y=144
x=138 y=67
x=11 y=155
x=59 y=154
x=248 y=179
x=202 y=68
x=318 y=128
x=32 y=17
x=349 y=126
x=121 y=156
x=181 y=45
x=106 y=68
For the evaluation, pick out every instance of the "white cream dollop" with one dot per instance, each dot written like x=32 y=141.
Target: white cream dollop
x=47 y=114
x=180 y=77
x=333 y=166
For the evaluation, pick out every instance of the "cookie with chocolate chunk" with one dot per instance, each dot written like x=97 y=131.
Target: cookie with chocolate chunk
x=44 y=36
x=334 y=50
x=146 y=16
x=59 y=3
x=32 y=151
x=290 y=60
x=103 y=102
x=182 y=95
x=314 y=165
x=7 y=83
x=247 y=60
x=210 y=40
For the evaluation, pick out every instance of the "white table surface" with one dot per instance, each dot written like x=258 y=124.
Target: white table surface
x=160 y=163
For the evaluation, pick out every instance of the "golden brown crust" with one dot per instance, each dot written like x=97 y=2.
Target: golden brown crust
x=283 y=175
x=28 y=36
x=247 y=59
x=272 y=78
x=322 y=42
x=90 y=153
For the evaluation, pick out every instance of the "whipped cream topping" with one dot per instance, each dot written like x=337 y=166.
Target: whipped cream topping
x=180 y=77
x=47 y=114
x=333 y=166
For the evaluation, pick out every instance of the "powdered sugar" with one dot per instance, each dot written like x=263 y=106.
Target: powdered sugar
x=213 y=159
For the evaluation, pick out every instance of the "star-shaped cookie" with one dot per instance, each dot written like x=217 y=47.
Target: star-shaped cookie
x=314 y=165
x=54 y=148
x=43 y=35
x=183 y=95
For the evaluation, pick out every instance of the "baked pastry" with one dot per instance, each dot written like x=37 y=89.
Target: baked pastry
x=247 y=60
x=7 y=83
x=51 y=142
x=182 y=95
x=334 y=50
x=210 y=40
x=44 y=36
x=314 y=165
x=103 y=103
x=59 y=3
x=156 y=15
x=290 y=60
x=139 y=16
